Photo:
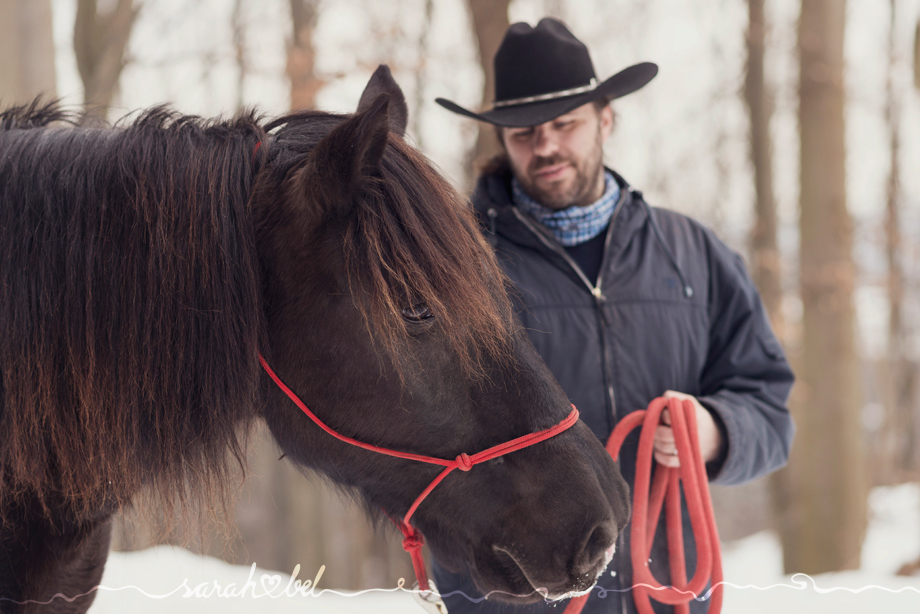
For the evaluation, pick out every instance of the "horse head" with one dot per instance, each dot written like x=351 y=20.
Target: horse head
x=387 y=314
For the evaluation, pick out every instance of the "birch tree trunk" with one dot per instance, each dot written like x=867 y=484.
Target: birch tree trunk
x=26 y=51
x=825 y=518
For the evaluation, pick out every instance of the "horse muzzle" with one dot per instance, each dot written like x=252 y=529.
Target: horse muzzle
x=520 y=578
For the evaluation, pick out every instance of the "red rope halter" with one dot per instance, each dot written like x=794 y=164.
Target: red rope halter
x=649 y=500
x=666 y=485
x=412 y=537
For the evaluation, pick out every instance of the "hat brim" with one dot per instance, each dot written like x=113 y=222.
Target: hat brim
x=624 y=82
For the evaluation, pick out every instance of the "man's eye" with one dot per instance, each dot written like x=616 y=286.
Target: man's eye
x=521 y=135
x=417 y=313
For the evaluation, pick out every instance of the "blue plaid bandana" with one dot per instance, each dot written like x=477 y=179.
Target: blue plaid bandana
x=574 y=225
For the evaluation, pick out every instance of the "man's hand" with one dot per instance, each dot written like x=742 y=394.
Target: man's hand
x=709 y=435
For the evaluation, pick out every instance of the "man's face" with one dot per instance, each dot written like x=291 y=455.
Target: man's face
x=560 y=163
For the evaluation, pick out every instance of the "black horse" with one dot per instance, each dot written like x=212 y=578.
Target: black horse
x=144 y=267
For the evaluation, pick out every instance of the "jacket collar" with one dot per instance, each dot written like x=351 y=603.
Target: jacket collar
x=492 y=201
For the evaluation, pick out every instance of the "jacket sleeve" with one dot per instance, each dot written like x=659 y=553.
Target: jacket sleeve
x=746 y=379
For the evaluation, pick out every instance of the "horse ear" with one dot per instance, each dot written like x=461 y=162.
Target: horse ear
x=354 y=148
x=382 y=82
x=343 y=158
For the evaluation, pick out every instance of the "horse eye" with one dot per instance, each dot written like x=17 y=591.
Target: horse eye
x=417 y=313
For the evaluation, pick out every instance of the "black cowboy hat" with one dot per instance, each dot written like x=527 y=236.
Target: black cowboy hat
x=544 y=72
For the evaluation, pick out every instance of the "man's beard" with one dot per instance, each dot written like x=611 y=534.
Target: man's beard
x=582 y=190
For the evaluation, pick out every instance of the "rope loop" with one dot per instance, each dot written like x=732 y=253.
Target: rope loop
x=463 y=462
x=651 y=496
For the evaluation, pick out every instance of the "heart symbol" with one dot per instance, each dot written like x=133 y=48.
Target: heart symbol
x=273 y=581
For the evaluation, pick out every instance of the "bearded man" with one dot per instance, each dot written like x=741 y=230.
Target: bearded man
x=625 y=302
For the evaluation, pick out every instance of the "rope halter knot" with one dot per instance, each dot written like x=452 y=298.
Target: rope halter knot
x=414 y=540
x=463 y=462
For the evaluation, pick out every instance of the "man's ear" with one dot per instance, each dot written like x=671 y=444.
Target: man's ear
x=607 y=121
x=382 y=82
x=338 y=165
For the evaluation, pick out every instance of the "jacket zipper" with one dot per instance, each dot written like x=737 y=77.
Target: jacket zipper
x=605 y=344
x=595 y=291
x=599 y=299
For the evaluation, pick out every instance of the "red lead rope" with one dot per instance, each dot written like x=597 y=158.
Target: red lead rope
x=647 y=505
x=412 y=538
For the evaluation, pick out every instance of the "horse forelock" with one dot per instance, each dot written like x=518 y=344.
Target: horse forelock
x=411 y=238
x=130 y=306
x=414 y=240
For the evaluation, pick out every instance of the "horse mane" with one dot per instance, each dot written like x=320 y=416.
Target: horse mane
x=130 y=306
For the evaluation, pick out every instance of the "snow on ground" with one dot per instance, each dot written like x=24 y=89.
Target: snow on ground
x=173 y=580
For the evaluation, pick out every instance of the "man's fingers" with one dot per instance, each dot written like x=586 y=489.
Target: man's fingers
x=664 y=434
x=667 y=460
x=666 y=417
x=665 y=448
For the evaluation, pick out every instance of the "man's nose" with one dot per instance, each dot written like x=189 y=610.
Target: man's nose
x=545 y=143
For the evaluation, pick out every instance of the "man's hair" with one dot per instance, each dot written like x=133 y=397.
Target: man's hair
x=600 y=103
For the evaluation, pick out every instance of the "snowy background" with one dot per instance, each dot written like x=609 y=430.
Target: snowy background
x=165 y=579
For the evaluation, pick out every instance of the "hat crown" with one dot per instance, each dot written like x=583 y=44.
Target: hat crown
x=541 y=60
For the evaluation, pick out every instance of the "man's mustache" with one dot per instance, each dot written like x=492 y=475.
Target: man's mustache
x=537 y=163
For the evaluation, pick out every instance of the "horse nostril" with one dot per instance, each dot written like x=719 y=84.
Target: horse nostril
x=598 y=547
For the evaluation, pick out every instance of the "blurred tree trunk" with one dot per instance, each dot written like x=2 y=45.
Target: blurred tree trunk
x=421 y=80
x=917 y=56
x=764 y=250
x=490 y=20
x=766 y=263
x=301 y=57
x=824 y=520
x=100 y=39
x=26 y=51
x=238 y=21
x=899 y=429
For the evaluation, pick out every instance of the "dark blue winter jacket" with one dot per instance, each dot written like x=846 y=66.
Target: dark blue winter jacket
x=673 y=308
